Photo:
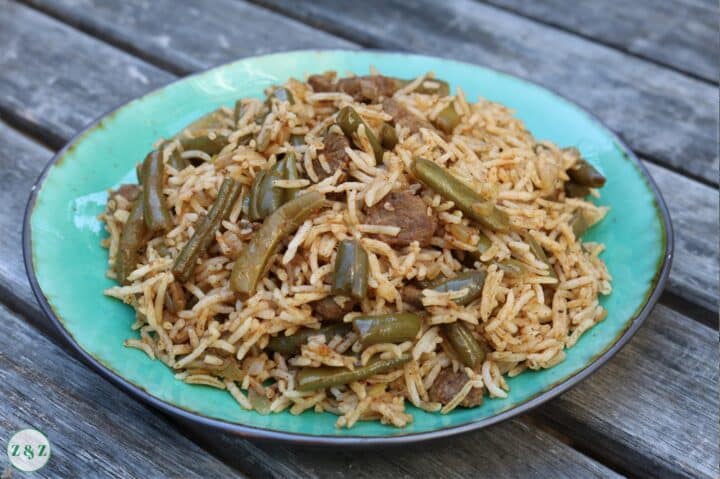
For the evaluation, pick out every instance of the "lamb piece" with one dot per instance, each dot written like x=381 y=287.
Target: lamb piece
x=448 y=384
x=129 y=192
x=412 y=294
x=329 y=310
x=368 y=89
x=402 y=117
x=335 y=155
x=407 y=211
x=322 y=83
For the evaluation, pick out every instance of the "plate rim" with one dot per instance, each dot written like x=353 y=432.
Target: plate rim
x=254 y=432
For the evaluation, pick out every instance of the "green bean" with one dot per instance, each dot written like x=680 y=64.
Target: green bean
x=209 y=133
x=205 y=230
x=574 y=190
x=309 y=379
x=297 y=140
x=132 y=238
x=473 y=281
x=442 y=88
x=484 y=244
x=447 y=119
x=350 y=277
x=155 y=210
x=254 y=259
x=387 y=328
x=468 y=201
x=464 y=344
x=349 y=122
x=513 y=267
x=175 y=159
x=264 y=197
x=585 y=174
x=388 y=136
x=539 y=253
x=290 y=345
x=579 y=223
x=289 y=171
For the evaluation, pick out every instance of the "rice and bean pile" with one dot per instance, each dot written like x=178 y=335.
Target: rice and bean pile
x=351 y=245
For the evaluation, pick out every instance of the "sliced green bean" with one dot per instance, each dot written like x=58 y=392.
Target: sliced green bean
x=254 y=259
x=289 y=171
x=447 y=119
x=310 y=379
x=513 y=267
x=155 y=210
x=349 y=121
x=264 y=197
x=464 y=344
x=350 y=277
x=208 y=134
x=387 y=328
x=132 y=238
x=539 y=253
x=297 y=140
x=442 y=88
x=175 y=159
x=205 y=230
x=290 y=345
x=468 y=201
x=388 y=136
x=585 y=174
x=473 y=281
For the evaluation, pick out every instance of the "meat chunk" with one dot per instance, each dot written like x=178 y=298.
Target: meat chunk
x=329 y=310
x=368 y=89
x=448 y=384
x=406 y=211
x=333 y=150
x=322 y=83
x=402 y=117
x=412 y=294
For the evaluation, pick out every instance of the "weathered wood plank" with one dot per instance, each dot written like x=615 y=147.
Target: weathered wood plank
x=694 y=213
x=682 y=35
x=94 y=430
x=526 y=452
x=210 y=35
x=663 y=114
x=39 y=56
x=653 y=408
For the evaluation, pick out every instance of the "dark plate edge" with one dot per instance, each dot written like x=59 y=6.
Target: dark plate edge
x=326 y=440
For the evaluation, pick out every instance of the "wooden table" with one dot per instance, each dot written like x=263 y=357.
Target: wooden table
x=647 y=68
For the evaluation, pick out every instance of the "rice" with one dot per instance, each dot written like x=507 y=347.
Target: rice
x=215 y=338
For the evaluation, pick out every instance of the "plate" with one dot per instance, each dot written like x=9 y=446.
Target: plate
x=66 y=265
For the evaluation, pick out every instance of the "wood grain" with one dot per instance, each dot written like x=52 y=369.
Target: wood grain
x=663 y=114
x=694 y=213
x=652 y=408
x=682 y=35
x=55 y=80
x=94 y=430
x=210 y=35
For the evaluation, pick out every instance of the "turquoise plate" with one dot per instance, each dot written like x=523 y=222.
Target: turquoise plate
x=66 y=264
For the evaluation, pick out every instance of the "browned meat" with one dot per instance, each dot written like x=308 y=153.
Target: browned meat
x=335 y=155
x=407 y=211
x=329 y=310
x=129 y=192
x=448 y=384
x=412 y=294
x=402 y=117
x=322 y=83
x=368 y=89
